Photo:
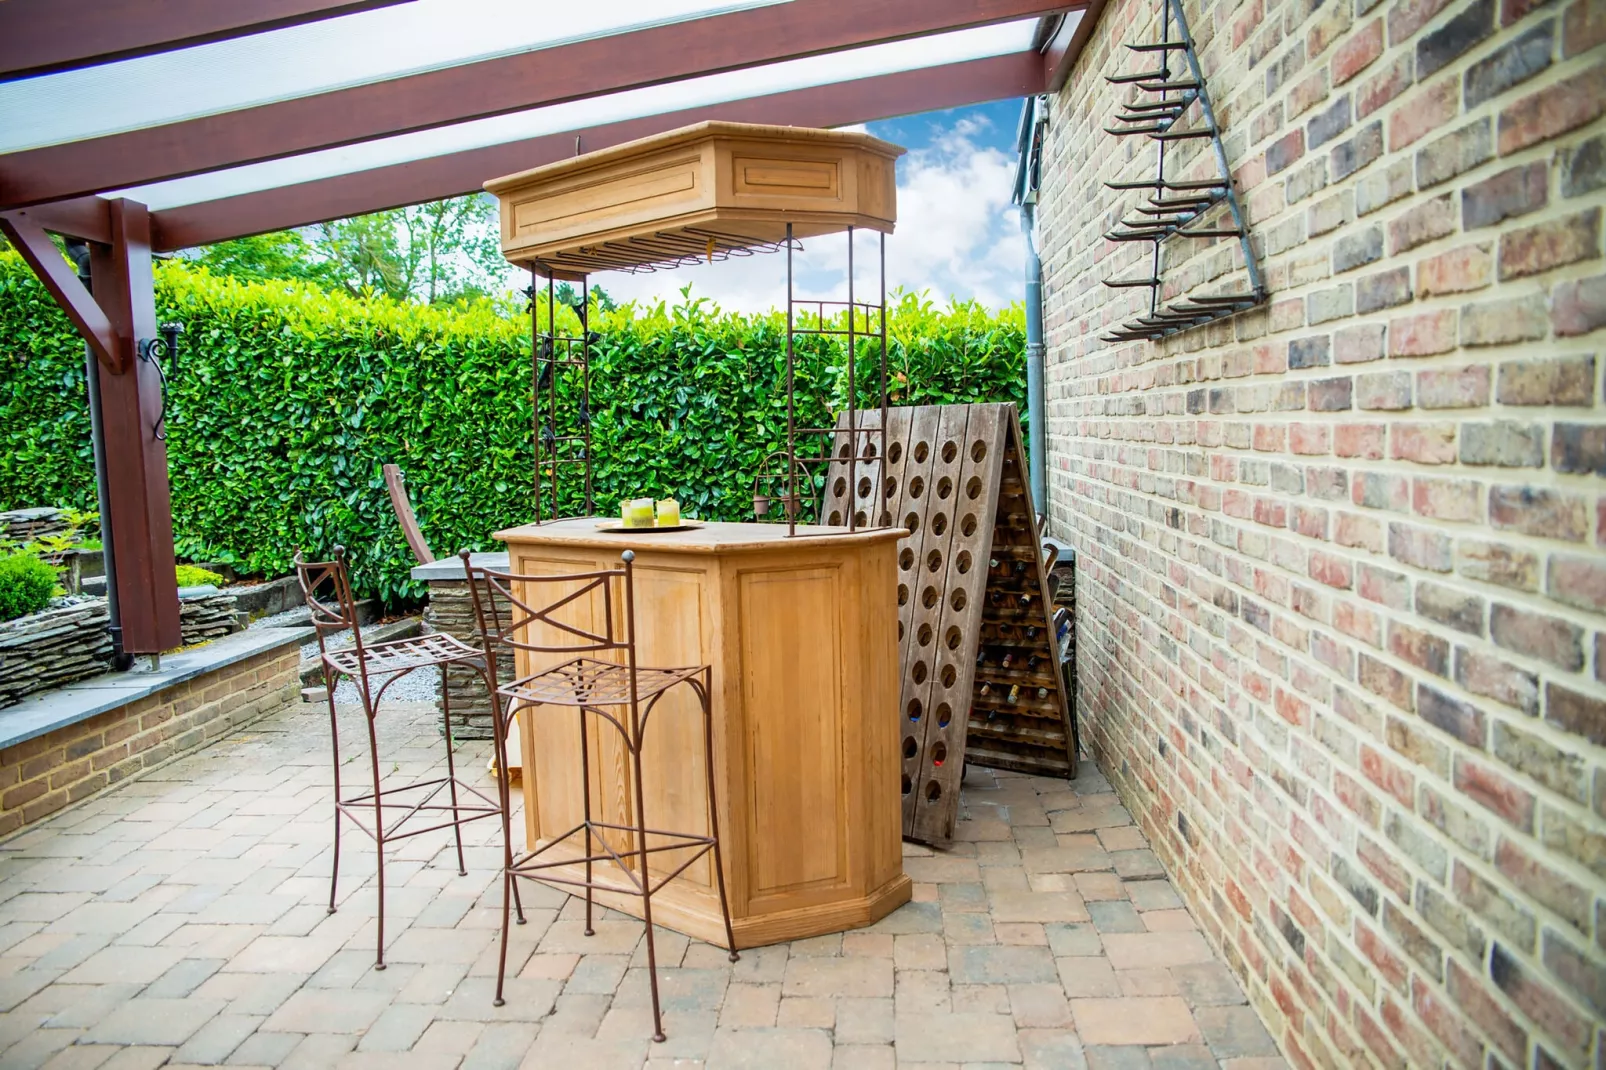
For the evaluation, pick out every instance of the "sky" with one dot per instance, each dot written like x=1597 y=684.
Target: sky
x=957 y=233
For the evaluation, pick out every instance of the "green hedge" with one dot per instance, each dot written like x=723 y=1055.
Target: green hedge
x=290 y=400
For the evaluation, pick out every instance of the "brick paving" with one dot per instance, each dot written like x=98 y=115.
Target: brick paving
x=180 y=920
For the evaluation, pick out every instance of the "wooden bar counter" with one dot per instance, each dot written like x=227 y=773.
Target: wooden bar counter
x=802 y=634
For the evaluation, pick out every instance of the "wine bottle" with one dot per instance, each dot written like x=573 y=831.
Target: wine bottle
x=985 y=688
x=981 y=656
x=1007 y=659
x=1042 y=692
x=1032 y=662
x=1031 y=631
x=1014 y=694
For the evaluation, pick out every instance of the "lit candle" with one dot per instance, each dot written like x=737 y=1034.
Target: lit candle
x=636 y=512
x=668 y=513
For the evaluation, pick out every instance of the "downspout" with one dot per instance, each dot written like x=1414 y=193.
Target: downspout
x=1036 y=432
x=79 y=251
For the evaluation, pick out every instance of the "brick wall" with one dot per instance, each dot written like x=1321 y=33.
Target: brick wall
x=42 y=775
x=1342 y=559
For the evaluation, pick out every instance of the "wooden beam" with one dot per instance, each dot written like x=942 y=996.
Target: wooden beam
x=84 y=218
x=44 y=36
x=843 y=103
x=583 y=69
x=30 y=239
x=138 y=504
x=1065 y=46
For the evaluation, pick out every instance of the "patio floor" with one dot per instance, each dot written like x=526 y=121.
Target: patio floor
x=180 y=920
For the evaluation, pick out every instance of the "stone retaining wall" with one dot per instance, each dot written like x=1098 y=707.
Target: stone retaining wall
x=42 y=775
x=451 y=611
x=66 y=642
x=206 y=616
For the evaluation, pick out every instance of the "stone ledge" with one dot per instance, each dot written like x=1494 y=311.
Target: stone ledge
x=451 y=568
x=45 y=712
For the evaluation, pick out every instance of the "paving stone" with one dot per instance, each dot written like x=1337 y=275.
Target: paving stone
x=1073 y=940
x=1088 y=976
x=919 y=951
x=909 y=918
x=956 y=1038
x=1116 y=916
x=124 y=965
x=1183 y=1057
x=986 y=964
x=327 y=1011
x=864 y=1057
x=1129 y=951
x=1158 y=1020
x=1168 y=921
x=215 y=1041
x=979 y=999
x=838 y=977
x=262 y=1049
x=397 y=1028
x=770 y=1049
x=923 y=992
x=1206 y=984
x=962 y=897
x=1137 y=864
x=1077 y=859
x=967 y=928
x=806 y=1012
x=1032 y=906
x=942 y=870
x=1094 y=886
x=185 y=976
x=1125 y=1057
x=1148 y=981
x=155 y=1021
x=1039 y=1006
x=1233 y=1032
x=864 y=1021
x=1052 y=1049
x=595 y=973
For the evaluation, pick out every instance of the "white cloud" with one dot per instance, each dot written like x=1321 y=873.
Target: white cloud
x=957 y=236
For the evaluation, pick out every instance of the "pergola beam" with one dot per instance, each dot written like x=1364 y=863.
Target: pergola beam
x=30 y=239
x=468 y=91
x=843 y=103
x=45 y=36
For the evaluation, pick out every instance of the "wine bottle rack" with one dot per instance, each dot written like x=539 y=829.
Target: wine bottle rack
x=972 y=593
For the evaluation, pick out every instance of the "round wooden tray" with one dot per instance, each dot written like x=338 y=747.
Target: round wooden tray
x=618 y=528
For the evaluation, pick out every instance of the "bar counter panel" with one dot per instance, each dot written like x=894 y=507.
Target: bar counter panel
x=802 y=636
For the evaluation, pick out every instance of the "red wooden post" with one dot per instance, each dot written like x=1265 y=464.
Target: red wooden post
x=136 y=460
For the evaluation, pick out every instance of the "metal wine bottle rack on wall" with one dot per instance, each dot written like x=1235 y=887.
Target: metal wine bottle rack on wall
x=1177 y=208
x=562 y=438
x=980 y=672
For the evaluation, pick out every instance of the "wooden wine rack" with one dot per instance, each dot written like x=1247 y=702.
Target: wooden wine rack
x=972 y=593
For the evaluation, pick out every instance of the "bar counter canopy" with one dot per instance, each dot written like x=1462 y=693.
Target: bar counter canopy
x=802 y=634
x=705 y=192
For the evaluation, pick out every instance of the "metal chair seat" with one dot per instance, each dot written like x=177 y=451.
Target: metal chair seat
x=589 y=682
x=401 y=654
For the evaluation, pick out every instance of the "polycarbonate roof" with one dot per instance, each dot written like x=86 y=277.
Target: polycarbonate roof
x=931 y=51
x=311 y=58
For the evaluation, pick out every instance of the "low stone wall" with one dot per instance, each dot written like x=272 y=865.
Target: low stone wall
x=451 y=610
x=206 y=616
x=41 y=775
x=66 y=642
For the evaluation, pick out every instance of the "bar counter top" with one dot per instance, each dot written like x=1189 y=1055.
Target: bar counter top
x=711 y=536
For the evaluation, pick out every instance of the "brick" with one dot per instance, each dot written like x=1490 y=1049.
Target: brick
x=1583 y=27
x=1420 y=548
x=1305 y=182
x=1462 y=720
x=1309 y=352
x=1495 y=905
x=1511 y=64
x=1538 y=511
x=1554 y=110
x=1446 y=157
x=1450 y=606
x=1384 y=85
x=1583 y=842
x=1572 y=711
x=1331 y=395
x=1423 y=223
x=1549 y=245
x=1329 y=123
x=1432 y=443
x=1469 y=994
x=1383 y=391
x=1350 y=155
x=1357 y=53
x=1495 y=793
x=1583 y=167
x=1379 y=490
x=1543 y=884
x=1408 y=16
x=1584 y=976
x=1549 y=381
x=1578 y=581
x=1385 y=289
x=1455 y=500
x=1503 y=442
x=1424 y=334
x=1578 y=307
x=1358 y=343
x=1453 y=388
x=1505 y=321
x=1330 y=304
x=1492 y=678
x=1498 y=563
x=1430 y=109
x=1473 y=23
x=1382 y=188
x=1561 y=772
x=1285 y=152
x=1389 y=683
x=1537 y=635
x=1357 y=249
x=1471 y=267
x=1579 y=448
x=1539 y=1001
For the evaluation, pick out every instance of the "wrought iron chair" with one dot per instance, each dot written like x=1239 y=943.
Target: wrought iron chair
x=590 y=685
x=327 y=587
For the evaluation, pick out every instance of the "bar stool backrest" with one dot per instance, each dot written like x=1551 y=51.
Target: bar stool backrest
x=508 y=603
x=326 y=586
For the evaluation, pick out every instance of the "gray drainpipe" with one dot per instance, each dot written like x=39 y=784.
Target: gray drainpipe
x=1037 y=433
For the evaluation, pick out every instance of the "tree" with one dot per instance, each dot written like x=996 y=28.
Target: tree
x=435 y=252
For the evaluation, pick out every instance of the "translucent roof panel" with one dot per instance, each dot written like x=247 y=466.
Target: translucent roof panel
x=932 y=51
x=315 y=57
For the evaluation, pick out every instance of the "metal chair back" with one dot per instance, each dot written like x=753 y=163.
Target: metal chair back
x=326 y=587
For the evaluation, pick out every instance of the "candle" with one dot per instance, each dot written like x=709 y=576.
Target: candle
x=636 y=512
x=668 y=513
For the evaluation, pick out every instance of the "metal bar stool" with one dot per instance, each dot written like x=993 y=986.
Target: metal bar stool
x=327 y=587
x=592 y=686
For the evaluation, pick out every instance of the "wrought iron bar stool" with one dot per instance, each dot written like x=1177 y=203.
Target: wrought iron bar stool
x=327 y=587
x=593 y=686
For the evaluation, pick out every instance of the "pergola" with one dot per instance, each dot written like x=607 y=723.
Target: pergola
x=143 y=128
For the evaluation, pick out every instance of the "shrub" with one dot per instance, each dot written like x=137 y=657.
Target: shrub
x=290 y=399
x=26 y=585
x=196 y=576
